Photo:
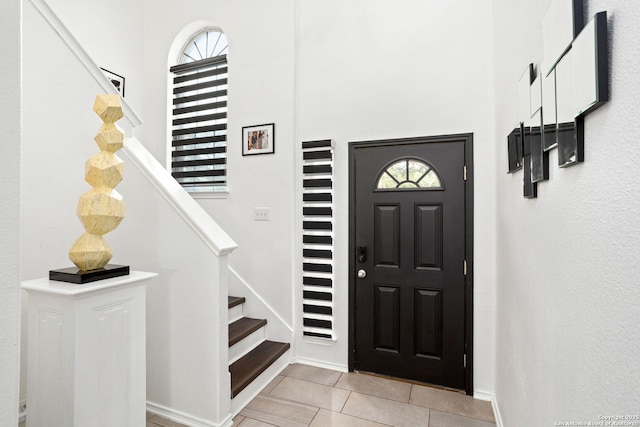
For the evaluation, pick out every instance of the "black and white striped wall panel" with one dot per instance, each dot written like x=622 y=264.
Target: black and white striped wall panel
x=317 y=238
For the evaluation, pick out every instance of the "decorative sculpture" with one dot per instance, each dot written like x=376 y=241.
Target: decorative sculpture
x=101 y=209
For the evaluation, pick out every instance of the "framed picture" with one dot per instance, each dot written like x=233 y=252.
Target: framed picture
x=116 y=80
x=259 y=139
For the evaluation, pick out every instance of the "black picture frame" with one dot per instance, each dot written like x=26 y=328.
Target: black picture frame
x=116 y=80
x=258 y=139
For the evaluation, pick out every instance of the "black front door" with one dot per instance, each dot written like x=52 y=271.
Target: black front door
x=408 y=237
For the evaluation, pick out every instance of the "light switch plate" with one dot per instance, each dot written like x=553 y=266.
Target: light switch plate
x=261 y=214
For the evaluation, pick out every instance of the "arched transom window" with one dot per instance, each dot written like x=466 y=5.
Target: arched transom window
x=207 y=44
x=409 y=174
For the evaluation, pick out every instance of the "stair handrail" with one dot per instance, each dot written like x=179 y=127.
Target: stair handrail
x=215 y=238
x=76 y=48
x=200 y=221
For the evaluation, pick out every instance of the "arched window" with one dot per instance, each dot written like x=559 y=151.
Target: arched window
x=199 y=119
x=409 y=174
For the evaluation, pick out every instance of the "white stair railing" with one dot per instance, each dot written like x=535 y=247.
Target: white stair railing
x=187 y=306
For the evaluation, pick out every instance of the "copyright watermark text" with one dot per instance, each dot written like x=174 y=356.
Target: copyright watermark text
x=604 y=421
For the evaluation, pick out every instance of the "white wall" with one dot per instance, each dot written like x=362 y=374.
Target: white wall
x=186 y=304
x=111 y=32
x=10 y=123
x=312 y=68
x=568 y=332
x=332 y=70
x=261 y=83
x=58 y=139
x=186 y=311
x=380 y=69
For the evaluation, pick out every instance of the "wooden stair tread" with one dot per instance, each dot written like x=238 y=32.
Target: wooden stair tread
x=244 y=327
x=233 y=301
x=250 y=366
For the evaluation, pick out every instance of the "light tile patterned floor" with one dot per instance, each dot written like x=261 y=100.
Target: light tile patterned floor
x=307 y=396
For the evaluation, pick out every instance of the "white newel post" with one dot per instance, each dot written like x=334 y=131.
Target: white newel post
x=87 y=352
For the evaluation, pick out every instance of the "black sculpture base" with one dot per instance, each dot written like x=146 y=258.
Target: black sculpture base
x=75 y=275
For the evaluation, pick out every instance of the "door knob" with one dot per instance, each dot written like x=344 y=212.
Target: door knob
x=362 y=274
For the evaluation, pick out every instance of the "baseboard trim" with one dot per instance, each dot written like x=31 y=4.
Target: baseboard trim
x=186 y=419
x=490 y=397
x=321 y=364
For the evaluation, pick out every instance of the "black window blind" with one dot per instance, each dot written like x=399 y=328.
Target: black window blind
x=317 y=239
x=199 y=125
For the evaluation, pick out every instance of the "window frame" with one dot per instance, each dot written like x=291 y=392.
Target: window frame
x=430 y=167
x=206 y=115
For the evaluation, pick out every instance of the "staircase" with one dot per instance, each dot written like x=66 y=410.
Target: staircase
x=252 y=358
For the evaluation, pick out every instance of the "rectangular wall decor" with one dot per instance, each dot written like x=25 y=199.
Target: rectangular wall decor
x=258 y=139
x=317 y=239
x=524 y=95
x=514 y=151
x=590 y=66
x=561 y=24
x=549 y=118
x=539 y=157
x=552 y=106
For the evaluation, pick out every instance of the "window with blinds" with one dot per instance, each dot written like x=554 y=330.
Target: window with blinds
x=317 y=239
x=199 y=122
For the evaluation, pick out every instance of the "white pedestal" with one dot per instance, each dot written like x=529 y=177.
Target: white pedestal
x=87 y=352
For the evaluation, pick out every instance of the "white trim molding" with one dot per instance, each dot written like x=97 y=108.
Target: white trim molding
x=184 y=418
x=489 y=397
x=322 y=364
x=190 y=210
x=94 y=70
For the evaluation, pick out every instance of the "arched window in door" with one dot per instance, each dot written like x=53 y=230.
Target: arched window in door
x=409 y=174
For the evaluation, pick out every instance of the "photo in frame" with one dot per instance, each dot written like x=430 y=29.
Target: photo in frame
x=116 y=80
x=259 y=139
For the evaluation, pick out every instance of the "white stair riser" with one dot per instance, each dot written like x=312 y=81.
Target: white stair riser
x=235 y=313
x=246 y=344
x=252 y=390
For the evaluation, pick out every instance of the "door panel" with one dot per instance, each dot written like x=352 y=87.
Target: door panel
x=387 y=318
x=428 y=237
x=387 y=236
x=409 y=310
x=428 y=323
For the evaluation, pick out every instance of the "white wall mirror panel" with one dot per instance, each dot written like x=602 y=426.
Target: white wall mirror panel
x=549 y=110
x=524 y=95
x=565 y=109
x=561 y=23
x=535 y=95
x=590 y=68
x=539 y=158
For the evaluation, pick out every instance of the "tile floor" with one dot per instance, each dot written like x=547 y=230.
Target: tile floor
x=307 y=396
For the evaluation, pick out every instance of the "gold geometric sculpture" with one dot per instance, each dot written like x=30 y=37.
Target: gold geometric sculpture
x=101 y=209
